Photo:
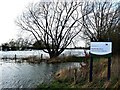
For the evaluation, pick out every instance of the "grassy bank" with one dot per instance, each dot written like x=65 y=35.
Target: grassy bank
x=61 y=59
x=66 y=59
x=79 y=77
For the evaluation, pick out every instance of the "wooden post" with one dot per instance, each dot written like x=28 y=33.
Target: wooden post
x=15 y=57
x=109 y=68
x=91 y=69
x=41 y=56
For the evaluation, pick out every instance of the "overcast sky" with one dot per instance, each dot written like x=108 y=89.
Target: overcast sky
x=9 y=10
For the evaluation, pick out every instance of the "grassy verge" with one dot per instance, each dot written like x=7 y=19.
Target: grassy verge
x=66 y=59
x=67 y=78
x=35 y=59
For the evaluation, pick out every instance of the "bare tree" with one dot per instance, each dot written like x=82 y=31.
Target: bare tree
x=53 y=23
x=23 y=43
x=102 y=21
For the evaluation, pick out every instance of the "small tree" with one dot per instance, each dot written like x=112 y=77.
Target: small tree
x=102 y=21
x=53 y=23
x=23 y=43
x=12 y=45
x=5 y=47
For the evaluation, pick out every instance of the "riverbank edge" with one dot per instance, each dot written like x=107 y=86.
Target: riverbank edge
x=99 y=82
x=37 y=60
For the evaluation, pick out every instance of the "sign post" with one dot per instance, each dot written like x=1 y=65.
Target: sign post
x=91 y=68
x=109 y=68
x=100 y=49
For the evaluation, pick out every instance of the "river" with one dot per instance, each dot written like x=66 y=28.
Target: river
x=25 y=75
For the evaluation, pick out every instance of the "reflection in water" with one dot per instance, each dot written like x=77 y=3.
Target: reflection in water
x=24 y=75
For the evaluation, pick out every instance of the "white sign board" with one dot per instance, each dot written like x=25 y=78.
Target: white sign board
x=101 y=48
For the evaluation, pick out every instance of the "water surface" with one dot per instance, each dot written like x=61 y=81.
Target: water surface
x=21 y=54
x=25 y=75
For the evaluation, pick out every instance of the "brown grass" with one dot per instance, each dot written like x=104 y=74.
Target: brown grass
x=115 y=70
x=99 y=74
x=64 y=59
x=72 y=75
x=32 y=59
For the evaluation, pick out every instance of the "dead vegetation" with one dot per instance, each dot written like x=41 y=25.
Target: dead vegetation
x=79 y=77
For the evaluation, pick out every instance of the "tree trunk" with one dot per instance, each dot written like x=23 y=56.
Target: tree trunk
x=53 y=55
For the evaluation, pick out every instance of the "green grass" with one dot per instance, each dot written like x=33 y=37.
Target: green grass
x=54 y=84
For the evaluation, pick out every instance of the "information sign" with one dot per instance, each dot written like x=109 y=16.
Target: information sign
x=101 y=48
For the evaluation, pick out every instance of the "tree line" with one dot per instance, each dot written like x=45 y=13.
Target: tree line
x=23 y=44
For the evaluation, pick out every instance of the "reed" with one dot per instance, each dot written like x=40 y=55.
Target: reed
x=78 y=77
